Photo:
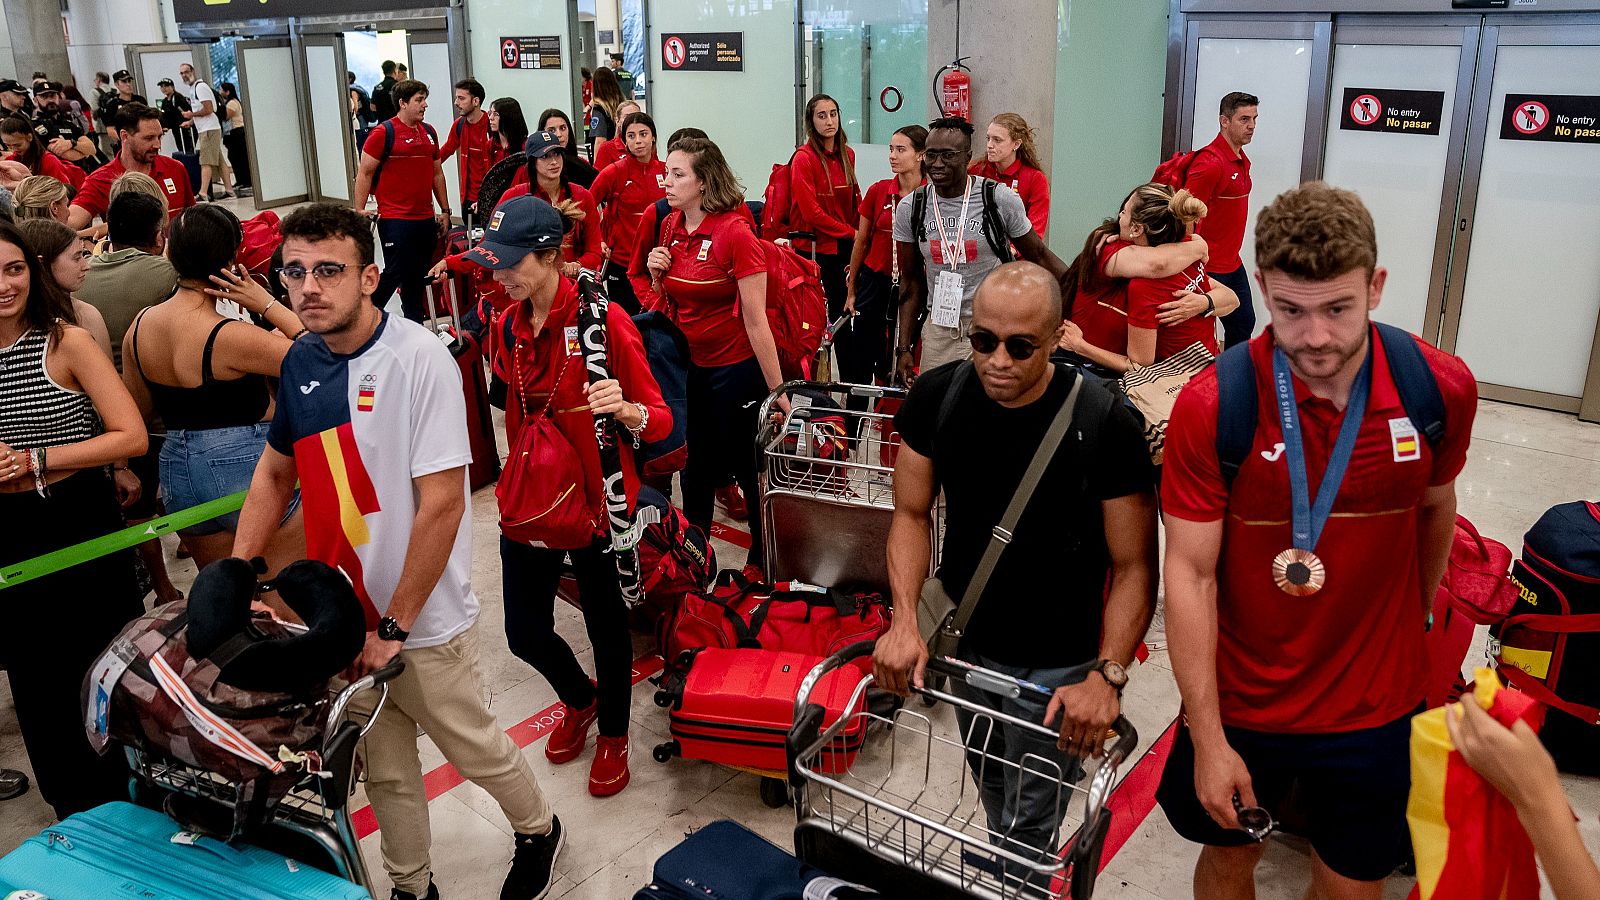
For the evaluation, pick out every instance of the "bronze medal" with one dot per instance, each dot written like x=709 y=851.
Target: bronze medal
x=1298 y=573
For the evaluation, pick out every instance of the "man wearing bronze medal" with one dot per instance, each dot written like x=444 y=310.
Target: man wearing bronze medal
x=1309 y=496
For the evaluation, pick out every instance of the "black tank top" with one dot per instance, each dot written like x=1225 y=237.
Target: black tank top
x=215 y=403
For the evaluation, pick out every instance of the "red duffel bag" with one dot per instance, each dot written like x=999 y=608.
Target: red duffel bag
x=1476 y=590
x=790 y=616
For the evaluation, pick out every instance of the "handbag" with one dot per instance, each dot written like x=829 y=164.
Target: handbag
x=541 y=491
x=940 y=621
x=1153 y=391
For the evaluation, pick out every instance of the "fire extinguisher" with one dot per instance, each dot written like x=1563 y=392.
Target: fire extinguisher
x=954 y=95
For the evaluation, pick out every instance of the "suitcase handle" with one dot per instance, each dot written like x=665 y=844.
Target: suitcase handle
x=215 y=847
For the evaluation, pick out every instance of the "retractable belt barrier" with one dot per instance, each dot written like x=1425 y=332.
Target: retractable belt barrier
x=94 y=548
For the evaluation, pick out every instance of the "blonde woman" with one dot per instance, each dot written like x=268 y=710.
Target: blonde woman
x=41 y=197
x=1012 y=159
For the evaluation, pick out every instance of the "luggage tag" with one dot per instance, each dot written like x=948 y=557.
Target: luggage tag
x=109 y=669
x=947 y=299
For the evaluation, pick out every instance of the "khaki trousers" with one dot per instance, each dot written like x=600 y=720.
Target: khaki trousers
x=941 y=345
x=441 y=691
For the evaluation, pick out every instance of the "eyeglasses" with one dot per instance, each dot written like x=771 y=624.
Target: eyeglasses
x=1017 y=347
x=327 y=274
x=947 y=155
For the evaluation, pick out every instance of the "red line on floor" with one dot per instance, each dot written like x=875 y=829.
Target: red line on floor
x=1133 y=800
x=445 y=778
x=735 y=536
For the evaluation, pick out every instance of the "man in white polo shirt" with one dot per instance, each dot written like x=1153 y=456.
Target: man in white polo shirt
x=208 y=133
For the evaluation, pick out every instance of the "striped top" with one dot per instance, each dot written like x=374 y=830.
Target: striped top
x=34 y=410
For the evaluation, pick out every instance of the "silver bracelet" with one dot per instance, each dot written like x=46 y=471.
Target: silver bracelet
x=644 y=420
x=268 y=308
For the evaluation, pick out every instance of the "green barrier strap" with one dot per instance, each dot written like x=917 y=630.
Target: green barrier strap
x=94 y=548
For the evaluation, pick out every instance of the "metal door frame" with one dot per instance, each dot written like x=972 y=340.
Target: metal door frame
x=308 y=123
x=262 y=201
x=1318 y=29
x=200 y=53
x=1433 y=31
x=1547 y=30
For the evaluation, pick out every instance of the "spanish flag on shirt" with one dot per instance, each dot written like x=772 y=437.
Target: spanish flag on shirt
x=1468 y=841
x=337 y=493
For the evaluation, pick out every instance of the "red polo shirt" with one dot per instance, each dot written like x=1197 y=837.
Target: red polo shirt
x=1145 y=296
x=476 y=153
x=1350 y=656
x=1221 y=180
x=1102 y=313
x=1029 y=183
x=703 y=284
x=405 y=183
x=582 y=244
x=609 y=151
x=825 y=201
x=94 y=197
x=628 y=188
x=877 y=207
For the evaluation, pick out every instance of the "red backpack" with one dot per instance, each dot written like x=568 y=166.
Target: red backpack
x=260 y=238
x=777 y=207
x=1175 y=171
x=541 y=492
x=675 y=558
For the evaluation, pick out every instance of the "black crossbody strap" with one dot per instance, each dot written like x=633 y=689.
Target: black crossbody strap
x=1001 y=536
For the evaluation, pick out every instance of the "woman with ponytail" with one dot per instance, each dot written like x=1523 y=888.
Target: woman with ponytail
x=1012 y=160
x=1153 y=216
x=823 y=188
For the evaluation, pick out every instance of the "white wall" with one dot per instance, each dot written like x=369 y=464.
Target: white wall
x=8 y=60
x=535 y=89
x=99 y=29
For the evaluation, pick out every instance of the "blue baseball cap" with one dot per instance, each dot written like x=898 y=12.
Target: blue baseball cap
x=517 y=227
x=541 y=144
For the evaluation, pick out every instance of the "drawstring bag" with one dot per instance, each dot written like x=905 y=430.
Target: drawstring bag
x=541 y=492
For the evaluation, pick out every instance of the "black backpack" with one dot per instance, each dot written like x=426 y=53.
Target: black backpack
x=1549 y=645
x=993 y=229
x=1237 y=406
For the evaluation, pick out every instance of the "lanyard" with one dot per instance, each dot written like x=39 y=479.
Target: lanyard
x=961 y=227
x=1309 y=518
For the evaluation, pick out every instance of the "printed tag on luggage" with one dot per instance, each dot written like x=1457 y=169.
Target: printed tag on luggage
x=1403 y=438
x=947 y=299
x=108 y=671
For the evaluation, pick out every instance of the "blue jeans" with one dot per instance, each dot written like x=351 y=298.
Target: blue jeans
x=204 y=464
x=1026 y=800
x=1238 y=325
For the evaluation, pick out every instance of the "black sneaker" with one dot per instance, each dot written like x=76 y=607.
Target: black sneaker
x=432 y=894
x=533 y=866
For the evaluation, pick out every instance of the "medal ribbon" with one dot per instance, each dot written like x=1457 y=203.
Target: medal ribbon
x=1310 y=517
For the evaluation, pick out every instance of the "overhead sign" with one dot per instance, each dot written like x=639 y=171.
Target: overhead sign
x=237 y=10
x=1561 y=118
x=706 y=51
x=1391 y=110
x=541 y=52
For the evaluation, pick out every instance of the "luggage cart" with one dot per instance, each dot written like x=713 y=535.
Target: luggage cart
x=315 y=811
x=826 y=516
x=908 y=818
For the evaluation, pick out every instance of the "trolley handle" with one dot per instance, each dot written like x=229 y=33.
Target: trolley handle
x=377 y=678
x=768 y=428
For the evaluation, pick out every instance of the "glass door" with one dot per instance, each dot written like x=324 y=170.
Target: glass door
x=267 y=72
x=1524 y=299
x=329 y=117
x=429 y=52
x=1396 y=126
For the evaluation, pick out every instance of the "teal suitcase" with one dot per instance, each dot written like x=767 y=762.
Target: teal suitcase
x=122 y=850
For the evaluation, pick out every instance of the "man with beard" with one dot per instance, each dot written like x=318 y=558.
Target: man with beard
x=63 y=131
x=1297 y=594
x=971 y=429
x=139 y=130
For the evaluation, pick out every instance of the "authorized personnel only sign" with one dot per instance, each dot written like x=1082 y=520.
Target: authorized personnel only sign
x=1391 y=110
x=1562 y=118
x=706 y=51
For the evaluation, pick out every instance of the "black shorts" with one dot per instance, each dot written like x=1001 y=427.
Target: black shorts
x=1350 y=788
x=148 y=470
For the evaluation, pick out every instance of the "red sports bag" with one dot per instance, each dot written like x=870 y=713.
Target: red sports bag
x=1476 y=590
x=541 y=493
x=789 y=616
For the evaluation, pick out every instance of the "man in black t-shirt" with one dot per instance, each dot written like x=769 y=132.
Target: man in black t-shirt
x=383 y=104
x=113 y=103
x=1045 y=615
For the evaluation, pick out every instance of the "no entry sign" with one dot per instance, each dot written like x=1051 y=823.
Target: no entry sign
x=1391 y=110
x=1555 y=118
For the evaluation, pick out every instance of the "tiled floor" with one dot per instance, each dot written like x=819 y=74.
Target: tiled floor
x=1522 y=461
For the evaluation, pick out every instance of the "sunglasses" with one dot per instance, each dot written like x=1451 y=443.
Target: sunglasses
x=1017 y=347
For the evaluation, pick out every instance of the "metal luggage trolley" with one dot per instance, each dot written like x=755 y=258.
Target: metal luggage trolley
x=315 y=811
x=827 y=492
x=907 y=818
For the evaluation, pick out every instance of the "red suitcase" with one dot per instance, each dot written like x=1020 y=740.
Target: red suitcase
x=485 y=466
x=735 y=707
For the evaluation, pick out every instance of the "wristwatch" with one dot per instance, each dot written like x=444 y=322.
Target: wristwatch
x=389 y=630
x=1211 y=304
x=1109 y=669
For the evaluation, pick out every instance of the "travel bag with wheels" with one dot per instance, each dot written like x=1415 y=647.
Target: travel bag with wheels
x=1549 y=646
x=726 y=859
x=735 y=707
x=484 y=469
x=123 y=850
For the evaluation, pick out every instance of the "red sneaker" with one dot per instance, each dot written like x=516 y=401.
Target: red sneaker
x=608 y=774
x=567 y=741
x=732 y=501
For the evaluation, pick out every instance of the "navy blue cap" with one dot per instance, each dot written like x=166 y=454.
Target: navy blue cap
x=541 y=144
x=518 y=227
